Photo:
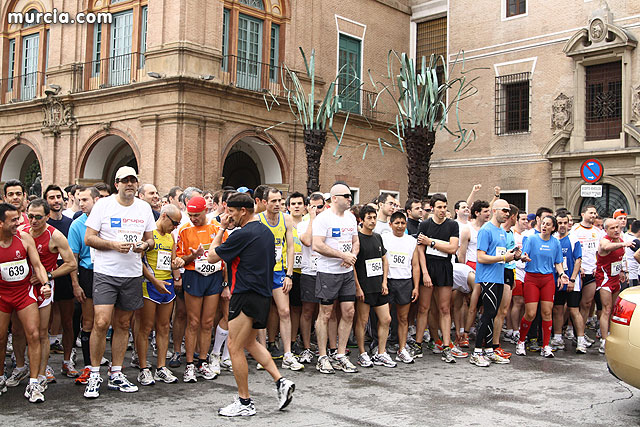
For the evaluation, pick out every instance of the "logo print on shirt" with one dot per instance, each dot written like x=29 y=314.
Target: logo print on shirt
x=335 y=232
x=116 y=222
x=18 y=255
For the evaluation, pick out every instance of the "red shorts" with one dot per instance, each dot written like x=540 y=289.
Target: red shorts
x=471 y=264
x=607 y=283
x=16 y=298
x=517 y=289
x=539 y=287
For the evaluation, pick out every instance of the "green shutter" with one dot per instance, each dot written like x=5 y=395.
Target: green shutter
x=350 y=78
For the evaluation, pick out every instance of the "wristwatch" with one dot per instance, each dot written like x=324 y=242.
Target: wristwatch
x=49 y=275
x=432 y=244
x=289 y=276
x=572 y=280
x=225 y=284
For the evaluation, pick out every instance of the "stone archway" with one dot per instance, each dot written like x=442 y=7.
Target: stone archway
x=251 y=161
x=21 y=162
x=103 y=158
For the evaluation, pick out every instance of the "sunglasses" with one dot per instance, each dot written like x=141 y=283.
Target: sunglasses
x=128 y=180
x=427 y=210
x=175 y=223
x=318 y=206
x=36 y=217
x=346 y=196
x=505 y=210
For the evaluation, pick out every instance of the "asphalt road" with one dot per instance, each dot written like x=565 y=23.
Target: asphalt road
x=568 y=390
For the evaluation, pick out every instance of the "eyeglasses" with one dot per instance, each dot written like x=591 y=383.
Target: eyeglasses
x=36 y=217
x=427 y=210
x=175 y=223
x=505 y=210
x=346 y=196
x=128 y=180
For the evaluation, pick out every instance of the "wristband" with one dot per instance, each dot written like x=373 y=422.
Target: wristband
x=289 y=276
x=572 y=280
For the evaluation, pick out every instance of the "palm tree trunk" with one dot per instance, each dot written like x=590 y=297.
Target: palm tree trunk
x=314 y=142
x=419 y=144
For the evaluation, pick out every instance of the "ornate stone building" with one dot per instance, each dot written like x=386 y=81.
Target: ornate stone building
x=177 y=89
x=559 y=84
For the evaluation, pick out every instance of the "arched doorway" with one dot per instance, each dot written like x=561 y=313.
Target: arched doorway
x=21 y=162
x=611 y=200
x=251 y=162
x=105 y=157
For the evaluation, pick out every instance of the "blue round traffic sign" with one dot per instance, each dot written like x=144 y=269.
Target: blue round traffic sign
x=591 y=170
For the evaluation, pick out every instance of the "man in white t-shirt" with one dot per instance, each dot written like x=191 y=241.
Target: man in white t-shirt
x=335 y=239
x=119 y=228
x=386 y=206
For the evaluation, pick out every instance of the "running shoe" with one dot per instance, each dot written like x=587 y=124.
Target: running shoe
x=70 y=370
x=404 y=356
x=393 y=348
x=589 y=340
x=104 y=361
x=581 y=348
x=33 y=392
x=547 y=352
x=10 y=344
x=416 y=350
x=190 y=374
x=346 y=365
x=463 y=342
x=447 y=356
x=332 y=358
x=276 y=353
x=174 y=362
x=515 y=337
x=479 y=359
x=591 y=323
x=364 y=360
x=51 y=378
x=437 y=347
x=430 y=345
x=285 y=392
x=84 y=376
x=237 y=409
x=226 y=365
x=533 y=345
x=205 y=372
x=457 y=352
x=92 y=390
x=145 y=377
x=118 y=381
x=598 y=334
x=214 y=363
x=568 y=333
x=17 y=376
x=521 y=349
x=259 y=367
x=42 y=380
x=383 y=360
x=412 y=330
x=324 y=365
x=74 y=355
x=601 y=349
x=165 y=375
x=289 y=361
x=56 y=348
x=3 y=384
x=494 y=357
x=306 y=356
x=502 y=353
x=78 y=342
x=557 y=344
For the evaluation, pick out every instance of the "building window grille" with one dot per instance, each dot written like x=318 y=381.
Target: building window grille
x=604 y=101
x=513 y=101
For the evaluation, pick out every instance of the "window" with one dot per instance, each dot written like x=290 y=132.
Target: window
x=349 y=69
x=256 y=4
x=355 y=195
x=512 y=104
x=120 y=61
x=97 y=46
x=431 y=38
x=30 y=18
x=12 y=62
x=518 y=198
x=29 y=80
x=143 y=36
x=225 y=39
x=249 y=52
x=604 y=101
x=516 y=7
x=273 y=53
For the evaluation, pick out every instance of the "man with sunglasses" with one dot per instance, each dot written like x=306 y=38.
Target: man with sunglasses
x=119 y=228
x=335 y=238
x=308 y=275
x=83 y=281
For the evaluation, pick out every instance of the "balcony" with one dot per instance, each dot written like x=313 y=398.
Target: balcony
x=109 y=72
x=251 y=75
x=360 y=101
x=21 y=88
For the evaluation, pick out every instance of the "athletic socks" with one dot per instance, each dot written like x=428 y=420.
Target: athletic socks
x=546 y=332
x=524 y=328
x=221 y=337
x=225 y=351
x=245 y=401
x=84 y=341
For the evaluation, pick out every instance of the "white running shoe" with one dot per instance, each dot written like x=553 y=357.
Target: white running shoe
x=34 y=393
x=494 y=357
x=17 y=376
x=364 y=360
x=92 y=390
x=547 y=352
x=289 y=361
x=479 y=360
x=190 y=374
x=602 y=345
x=214 y=363
x=521 y=350
x=205 y=372
x=285 y=392
x=145 y=377
x=383 y=360
x=165 y=375
x=404 y=356
x=237 y=409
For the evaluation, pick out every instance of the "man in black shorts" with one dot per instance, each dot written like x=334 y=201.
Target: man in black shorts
x=438 y=239
x=250 y=253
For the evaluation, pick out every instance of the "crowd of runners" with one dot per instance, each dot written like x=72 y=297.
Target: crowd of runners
x=199 y=279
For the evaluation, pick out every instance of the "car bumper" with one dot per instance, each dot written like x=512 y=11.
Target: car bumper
x=623 y=358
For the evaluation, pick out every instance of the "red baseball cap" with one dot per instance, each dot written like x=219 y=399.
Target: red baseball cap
x=196 y=204
x=619 y=212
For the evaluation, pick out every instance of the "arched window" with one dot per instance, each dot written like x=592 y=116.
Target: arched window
x=117 y=49
x=611 y=200
x=27 y=39
x=252 y=33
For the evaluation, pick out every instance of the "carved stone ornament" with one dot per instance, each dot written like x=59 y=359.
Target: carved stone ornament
x=599 y=22
x=635 y=105
x=57 y=114
x=562 y=113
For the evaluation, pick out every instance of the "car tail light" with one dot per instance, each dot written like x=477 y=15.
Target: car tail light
x=622 y=312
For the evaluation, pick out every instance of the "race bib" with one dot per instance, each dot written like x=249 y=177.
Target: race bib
x=564 y=263
x=616 y=268
x=297 y=260
x=436 y=252
x=591 y=245
x=501 y=251
x=92 y=254
x=164 y=261
x=374 y=267
x=14 y=271
x=129 y=236
x=398 y=259
x=314 y=262
x=205 y=268
x=345 y=245
x=278 y=254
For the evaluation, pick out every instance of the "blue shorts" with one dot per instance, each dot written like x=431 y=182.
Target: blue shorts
x=278 y=279
x=151 y=293
x=197 y=285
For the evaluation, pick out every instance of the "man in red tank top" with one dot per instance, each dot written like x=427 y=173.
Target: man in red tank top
x=19 y=261
x=609 y=272
x=49 y=243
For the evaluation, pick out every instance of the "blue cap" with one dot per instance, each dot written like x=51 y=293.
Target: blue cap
x=531 y=217
x=245 y=190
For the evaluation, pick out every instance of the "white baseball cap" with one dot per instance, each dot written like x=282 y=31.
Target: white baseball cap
x=126 y=171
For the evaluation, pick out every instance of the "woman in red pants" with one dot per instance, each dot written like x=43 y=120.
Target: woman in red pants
x=543 y=254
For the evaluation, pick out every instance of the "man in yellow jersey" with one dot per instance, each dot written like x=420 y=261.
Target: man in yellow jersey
x=202 y=283
x=297 y=206
x=159 y=267
x=282 y=227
